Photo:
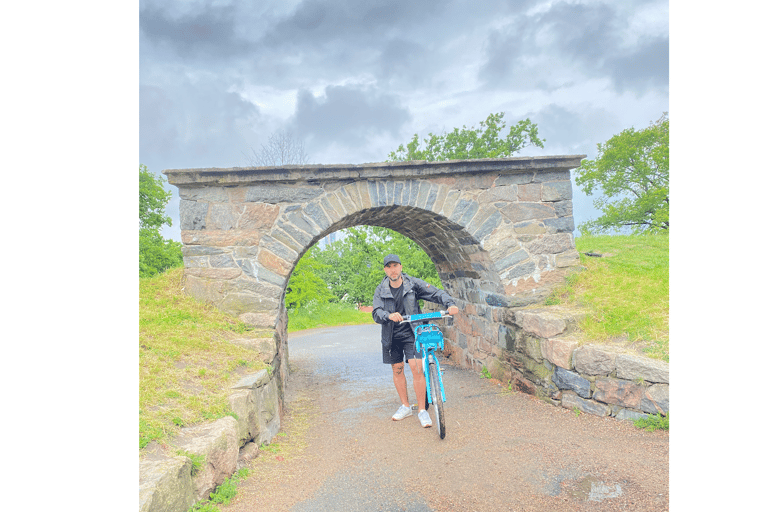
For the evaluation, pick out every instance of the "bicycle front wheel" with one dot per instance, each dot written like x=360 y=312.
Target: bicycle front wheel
x=437 y=396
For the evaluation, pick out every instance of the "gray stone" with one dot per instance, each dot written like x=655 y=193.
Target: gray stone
x=565 y=379
x=556 y=191
x=551 y=244
x=656 y=399
x=166 y=485
x=200 y=250
x=254 y=380
x=317 y=215
x=631 y=367
x=192 y=214
x=594 y=360
x=522 y=270
x=560 y=225
x=274 y=194
x=629 y=414
x=512 y=259
x=217 y=443
x=569 y=400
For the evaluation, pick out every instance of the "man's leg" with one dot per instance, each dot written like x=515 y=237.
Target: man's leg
x=398 y=377
x=419 y=382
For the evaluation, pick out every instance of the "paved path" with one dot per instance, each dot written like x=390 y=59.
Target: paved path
x=503 y=451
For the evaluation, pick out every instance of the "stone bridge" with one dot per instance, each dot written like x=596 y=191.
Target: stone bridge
x=500 y=232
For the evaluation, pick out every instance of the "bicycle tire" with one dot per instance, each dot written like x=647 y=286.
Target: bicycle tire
x=437 y=397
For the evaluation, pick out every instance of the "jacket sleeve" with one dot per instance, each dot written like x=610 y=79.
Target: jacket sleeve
x=379 y=314
x=433 y=294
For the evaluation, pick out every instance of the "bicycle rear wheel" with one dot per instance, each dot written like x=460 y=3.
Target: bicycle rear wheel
x=437 y=396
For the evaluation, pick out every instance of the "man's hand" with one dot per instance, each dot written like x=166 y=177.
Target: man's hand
x=453 y=310
x=396 y=317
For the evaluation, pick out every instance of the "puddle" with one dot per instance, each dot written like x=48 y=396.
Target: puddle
x=592 y=489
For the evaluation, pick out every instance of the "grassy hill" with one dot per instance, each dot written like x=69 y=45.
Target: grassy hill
x=187 y=363
x=625 y=282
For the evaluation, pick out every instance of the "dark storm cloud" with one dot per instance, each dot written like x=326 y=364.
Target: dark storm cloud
x=538 y=51
x=210 y=32
x=347 y=115
x=193 y=124
x=646 y=66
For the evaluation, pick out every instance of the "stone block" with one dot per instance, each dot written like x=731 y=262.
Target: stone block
x=632 y=367
x=594 y=360
x=556 y=191
x=628 y=414
x=565 y=379
x=569 y=400
x=166 y=485
x=559 y=351
x=619 y=392
x=656 y=399
x=551 y=244
x=542 y=322
x=218 y=443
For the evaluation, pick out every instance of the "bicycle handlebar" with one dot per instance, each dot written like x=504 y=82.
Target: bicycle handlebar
x=426 y=316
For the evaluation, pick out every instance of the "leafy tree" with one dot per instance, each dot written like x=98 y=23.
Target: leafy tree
x=156 y=254
x=305 y=285
x=469 y=143
x=632 y=172
x=353 y=264
x=280 y=149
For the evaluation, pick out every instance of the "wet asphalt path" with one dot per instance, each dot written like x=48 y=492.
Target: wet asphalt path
x=502 y=451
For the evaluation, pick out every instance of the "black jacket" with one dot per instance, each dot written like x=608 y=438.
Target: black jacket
x=413 y=290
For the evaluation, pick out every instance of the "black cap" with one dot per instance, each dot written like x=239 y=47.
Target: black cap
x=391 y=258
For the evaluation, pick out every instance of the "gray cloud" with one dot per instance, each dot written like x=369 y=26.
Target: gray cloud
x=208 y=33
x=645 y=67
x=193 y=124
x=347 y=114
x=573 y=42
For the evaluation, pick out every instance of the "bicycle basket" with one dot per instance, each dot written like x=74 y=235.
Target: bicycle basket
x=429 y=335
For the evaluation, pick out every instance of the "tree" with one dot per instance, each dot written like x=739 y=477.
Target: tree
x=353 y=264
x=281 y=149
x=470 y=143
x=632 y=169
x=156 y=254
x=305 y=285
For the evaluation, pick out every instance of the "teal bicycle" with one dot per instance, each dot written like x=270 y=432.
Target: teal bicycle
x=429 y=338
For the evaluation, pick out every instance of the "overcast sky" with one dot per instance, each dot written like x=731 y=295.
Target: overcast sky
x=354 y=79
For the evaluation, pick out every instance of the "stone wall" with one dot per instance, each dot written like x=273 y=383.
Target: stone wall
x=167 y=480
x=537 y=351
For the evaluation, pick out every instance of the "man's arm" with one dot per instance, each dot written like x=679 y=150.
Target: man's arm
x=434 y=294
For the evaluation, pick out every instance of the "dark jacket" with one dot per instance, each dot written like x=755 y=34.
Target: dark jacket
x=413 y=290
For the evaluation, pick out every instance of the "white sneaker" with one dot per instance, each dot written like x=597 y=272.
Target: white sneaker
x=424 y=418
x=403 y=412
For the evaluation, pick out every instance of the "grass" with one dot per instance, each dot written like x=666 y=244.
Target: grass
x=325 y=315
x=653 y=422
x=223 y=493
x=186 y=363
x=627 y=289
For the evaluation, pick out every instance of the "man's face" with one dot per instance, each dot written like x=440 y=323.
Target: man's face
x=393 y=271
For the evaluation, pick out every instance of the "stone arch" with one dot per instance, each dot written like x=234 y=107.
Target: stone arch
x=500 y=232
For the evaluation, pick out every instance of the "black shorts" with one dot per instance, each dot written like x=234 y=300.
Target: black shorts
x=400 y=350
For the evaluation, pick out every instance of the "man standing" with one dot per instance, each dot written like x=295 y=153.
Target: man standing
x=398 y=295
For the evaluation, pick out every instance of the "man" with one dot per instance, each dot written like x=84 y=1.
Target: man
x=398 y=295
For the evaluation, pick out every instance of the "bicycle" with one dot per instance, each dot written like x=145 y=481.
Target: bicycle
x=429 y=338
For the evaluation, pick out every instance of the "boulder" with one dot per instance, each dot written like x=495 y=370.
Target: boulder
x=594 y=360
x=564 y=379
x=633 y=367
x=569 y=400
x=218 y=443
x=166 y=484
x=559 y=350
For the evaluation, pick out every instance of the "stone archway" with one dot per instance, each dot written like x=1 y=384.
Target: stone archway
x=500 y=232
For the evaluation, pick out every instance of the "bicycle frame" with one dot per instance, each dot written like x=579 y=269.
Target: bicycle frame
x=429 y=338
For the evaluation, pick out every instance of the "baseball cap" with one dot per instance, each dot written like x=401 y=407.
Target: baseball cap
x=390 y=258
